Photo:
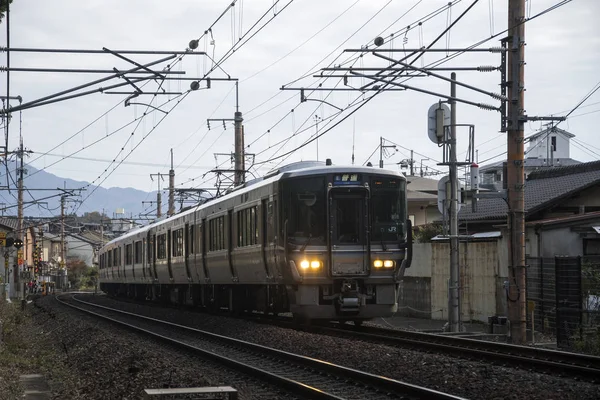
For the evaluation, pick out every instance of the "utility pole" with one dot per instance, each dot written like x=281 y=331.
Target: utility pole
x=380 y=152
x=515 y=172
x=158 y=194
x=239 y=166
x=454 y=282
x=171 y=188
x=20 y=171
x=412 y=173
x=62 y=231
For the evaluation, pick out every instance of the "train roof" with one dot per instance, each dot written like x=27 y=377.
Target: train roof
x=295 y=170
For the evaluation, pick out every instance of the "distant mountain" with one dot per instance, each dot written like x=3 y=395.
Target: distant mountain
x=108 y=199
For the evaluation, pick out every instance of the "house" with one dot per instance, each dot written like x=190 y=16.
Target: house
x=422 y=200
x=16 y=262
x=570 y=236
x=547 y=149
x=549 y=193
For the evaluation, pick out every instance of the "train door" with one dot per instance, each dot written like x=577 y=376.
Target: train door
x=266 y=243
x=229 y=241
x=142 y=257
x=187 y=247
x=203 y=243
x=348 y=232
x=152 y=255
x=169 y=250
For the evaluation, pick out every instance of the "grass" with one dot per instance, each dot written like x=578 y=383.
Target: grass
x=23 y=350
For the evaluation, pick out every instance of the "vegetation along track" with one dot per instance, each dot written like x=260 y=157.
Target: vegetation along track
x=303 y=375
x=527 y=357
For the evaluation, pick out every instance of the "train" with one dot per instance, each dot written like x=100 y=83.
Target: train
x=320 y=241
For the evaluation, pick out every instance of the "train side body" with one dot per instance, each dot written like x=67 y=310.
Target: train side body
x=323 y=242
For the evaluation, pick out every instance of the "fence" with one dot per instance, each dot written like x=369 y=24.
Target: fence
x=563 y=296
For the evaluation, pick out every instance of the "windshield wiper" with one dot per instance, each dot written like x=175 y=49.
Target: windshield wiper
x=381 y=239
x=306 y=243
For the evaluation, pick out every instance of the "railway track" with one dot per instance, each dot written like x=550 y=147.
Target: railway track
x=306 y=376
x=531 y=358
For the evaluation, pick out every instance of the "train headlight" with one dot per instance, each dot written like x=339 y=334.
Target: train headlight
x=388 y=264
x=315 y=264
x=378 y=263
x=304 y=264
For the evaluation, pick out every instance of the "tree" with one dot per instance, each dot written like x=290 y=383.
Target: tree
x=94 y=217
x=3 y=7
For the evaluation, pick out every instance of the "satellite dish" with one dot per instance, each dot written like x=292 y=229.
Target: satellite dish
x=438 y=116
x=444 y=194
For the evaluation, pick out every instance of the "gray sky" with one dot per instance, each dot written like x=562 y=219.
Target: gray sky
x=562 y=55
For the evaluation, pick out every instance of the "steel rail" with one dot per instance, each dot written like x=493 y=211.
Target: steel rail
x=369 y=381
x=557 y=361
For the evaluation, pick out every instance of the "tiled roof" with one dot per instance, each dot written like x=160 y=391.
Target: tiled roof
x=420 y=184
x=533 y=162
x=9 y=222
x=542 y=189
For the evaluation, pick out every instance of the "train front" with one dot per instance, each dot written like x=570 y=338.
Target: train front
x=348 y=242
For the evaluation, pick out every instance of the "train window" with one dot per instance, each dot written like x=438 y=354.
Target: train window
x=190 y=241
x=348 y=216
x=177 y=242
x=388 y=209
x=305 y=209
x=216 y=231
x=161 y=246
x=128 y=254
x=138 y=252
x=109 y=261
x=247 y=227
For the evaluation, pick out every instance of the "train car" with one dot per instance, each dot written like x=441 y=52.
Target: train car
x=318 y=240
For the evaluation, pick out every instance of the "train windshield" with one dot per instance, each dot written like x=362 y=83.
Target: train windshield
x=388 y=209
x=305 y=210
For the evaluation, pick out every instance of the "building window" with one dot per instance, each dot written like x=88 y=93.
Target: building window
x=128 y=254
x=591 y=247
x=177 y=242
x=138 y=252
x=161 y=246
x=553 y=143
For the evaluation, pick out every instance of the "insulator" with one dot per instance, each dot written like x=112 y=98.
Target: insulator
x=2 y=68
x=3 y=49
x=486 y=68
x=499 y=96
x=496 y=49
x=487 y=107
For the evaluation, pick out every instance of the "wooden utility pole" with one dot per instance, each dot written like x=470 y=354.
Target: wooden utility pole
x=515 y=172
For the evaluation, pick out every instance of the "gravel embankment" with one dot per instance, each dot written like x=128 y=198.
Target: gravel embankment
x=92 y=359
x=470 y=379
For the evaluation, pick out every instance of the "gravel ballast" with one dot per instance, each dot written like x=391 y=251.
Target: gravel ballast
x=470 y=379
x=87 y=358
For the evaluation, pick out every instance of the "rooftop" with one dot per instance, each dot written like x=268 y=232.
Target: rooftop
x=542 y=189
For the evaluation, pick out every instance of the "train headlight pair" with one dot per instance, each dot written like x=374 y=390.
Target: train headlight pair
x=384 y=263
x=314 y=264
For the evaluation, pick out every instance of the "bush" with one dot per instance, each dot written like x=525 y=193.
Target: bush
x=424 y=233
